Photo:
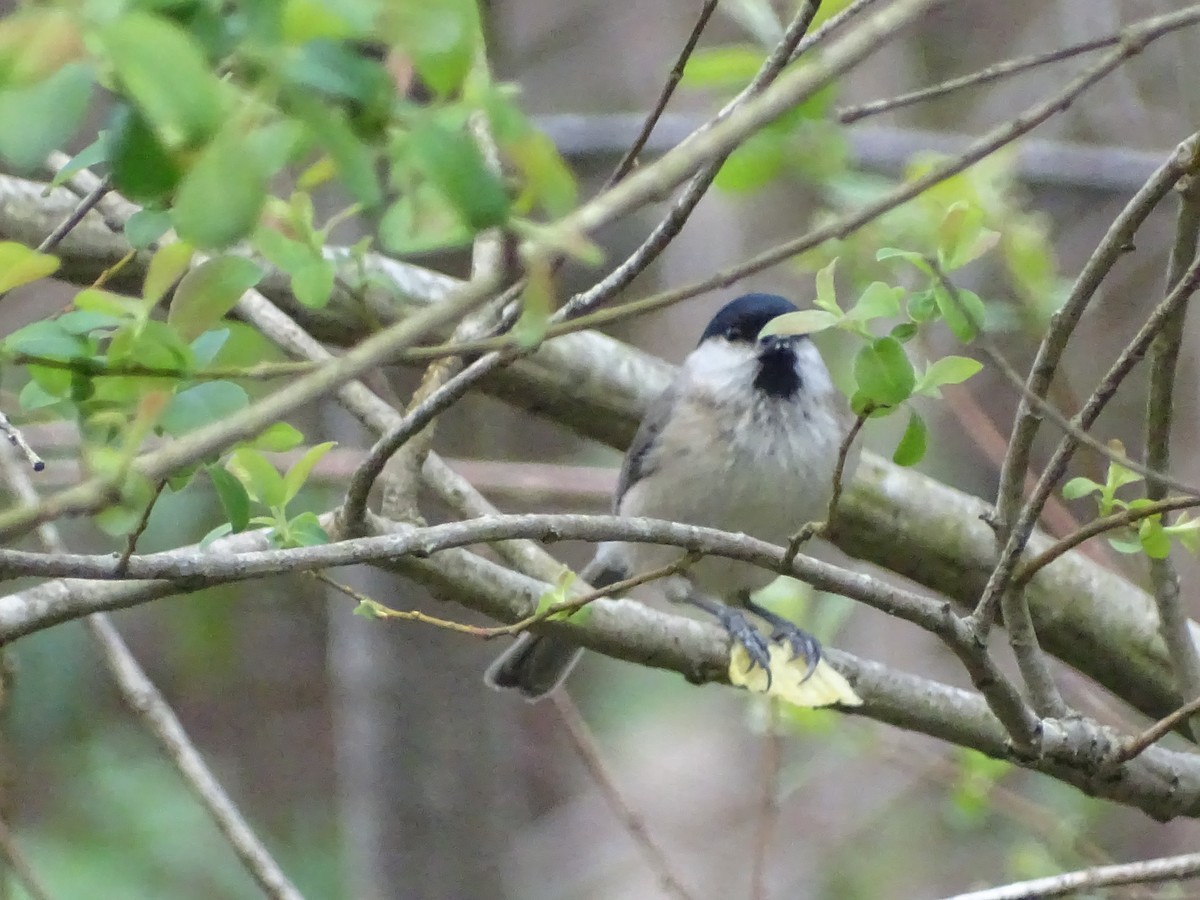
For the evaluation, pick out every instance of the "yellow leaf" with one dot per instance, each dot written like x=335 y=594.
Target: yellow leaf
x=825 y=687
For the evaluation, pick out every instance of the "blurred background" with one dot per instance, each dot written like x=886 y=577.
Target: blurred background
x=369 y=755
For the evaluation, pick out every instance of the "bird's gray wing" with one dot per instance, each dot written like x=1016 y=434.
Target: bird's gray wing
x=642 y=458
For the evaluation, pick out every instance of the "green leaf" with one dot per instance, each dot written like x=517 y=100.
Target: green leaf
x=260 y=478
x=803 y=321
x=722 y=67
x=142 y=168
x=453 y=162
x=441 y=38
x=338 y=71
x=905 y=332
x=878 y=301
x=909 y=256
x=883 y=372
x=298 y=473
x=216 y=534
x=921 y=306
x=166 y=267
x=548 y=181
x=201 y=405
x=209 y=291
x=355 y=160
x=234 y=499
x=313 y=283
x=220 y=198
x=1125 y=545
x=42 y=117
x=306 y=531
x=146 y=226
x=277 y=437
x=422 y=221
x=955 y=315
x=1079 y=487
x=913 y=443
x=206 y=347
x=826 y=290
x=46 y=338
x=93 y=154
x=84 y=322
x=1154 y=539
x=947 y=370
x=167 y=76
x=21 y=265
x=34 y=396
x=103 y=301
x=756 y=162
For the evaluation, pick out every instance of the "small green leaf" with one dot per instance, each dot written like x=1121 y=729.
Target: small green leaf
x=278 y=437
x=803 y=321
x=166 y=267
x=166 y=74
x=1079 y=487
x=826 y=290
x=221 y=197
x=216 y=534
x=46 y=338
x=441 y=38
x=206 y=347
x=109 y=303
x=947 y=370
x=954 y=314
x=21 y=265
x=452 y=161
x=905 y=332
x=921 y=306
x=878 y=301
x=93 y=154
x=84 y=322
x=908 y=256
x=209 y=291
x=548 y=180
x=355 y=160
x=313 y=283
x=202 y=405
x=306 y=531
x=260 y=478
x=1155 y=540
x=298 y=473
x=42 y=117
x=722 y=67
x=146 y=226
x=234 y=499
x=755 y=163
x=913 y=443
x=142 y=168
x=883 y=372
x=1125 y=545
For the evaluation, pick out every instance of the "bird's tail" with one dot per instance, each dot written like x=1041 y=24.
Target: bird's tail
x=536 y=664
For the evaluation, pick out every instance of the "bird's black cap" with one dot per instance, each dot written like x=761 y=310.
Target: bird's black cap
x=742 y=319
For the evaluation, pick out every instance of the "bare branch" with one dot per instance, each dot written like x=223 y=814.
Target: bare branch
x=1152 y=871
x=1160 y=404
x=589 y=754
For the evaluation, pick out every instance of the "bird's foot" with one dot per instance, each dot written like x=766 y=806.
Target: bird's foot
x=802 y=643
x=743 y=632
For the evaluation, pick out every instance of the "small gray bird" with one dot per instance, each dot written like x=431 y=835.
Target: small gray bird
x=745 y=439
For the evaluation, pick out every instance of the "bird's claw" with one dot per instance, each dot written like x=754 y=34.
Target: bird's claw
x=803 y=645
x=744 y=633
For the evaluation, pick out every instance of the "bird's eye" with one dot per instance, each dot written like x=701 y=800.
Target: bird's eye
x=731 y=334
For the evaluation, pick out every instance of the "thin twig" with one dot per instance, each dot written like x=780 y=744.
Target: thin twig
x=629 y=160
x=1122 y=519
x=1156 y=732
x=589 y=754
x=9 y=430
x=1160 y=404
x=814 y=529
x=848 y=114
x=768 y=814
x=16 y=860
x=1151 y=871
x=86 y=205
x=149 y=705
x=1117 y=240
x=99 y=368
x=139 y=529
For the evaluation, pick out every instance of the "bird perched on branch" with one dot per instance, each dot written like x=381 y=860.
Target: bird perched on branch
x=745 y=439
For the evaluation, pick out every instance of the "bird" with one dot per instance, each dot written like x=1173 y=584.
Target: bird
x=745 y=439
